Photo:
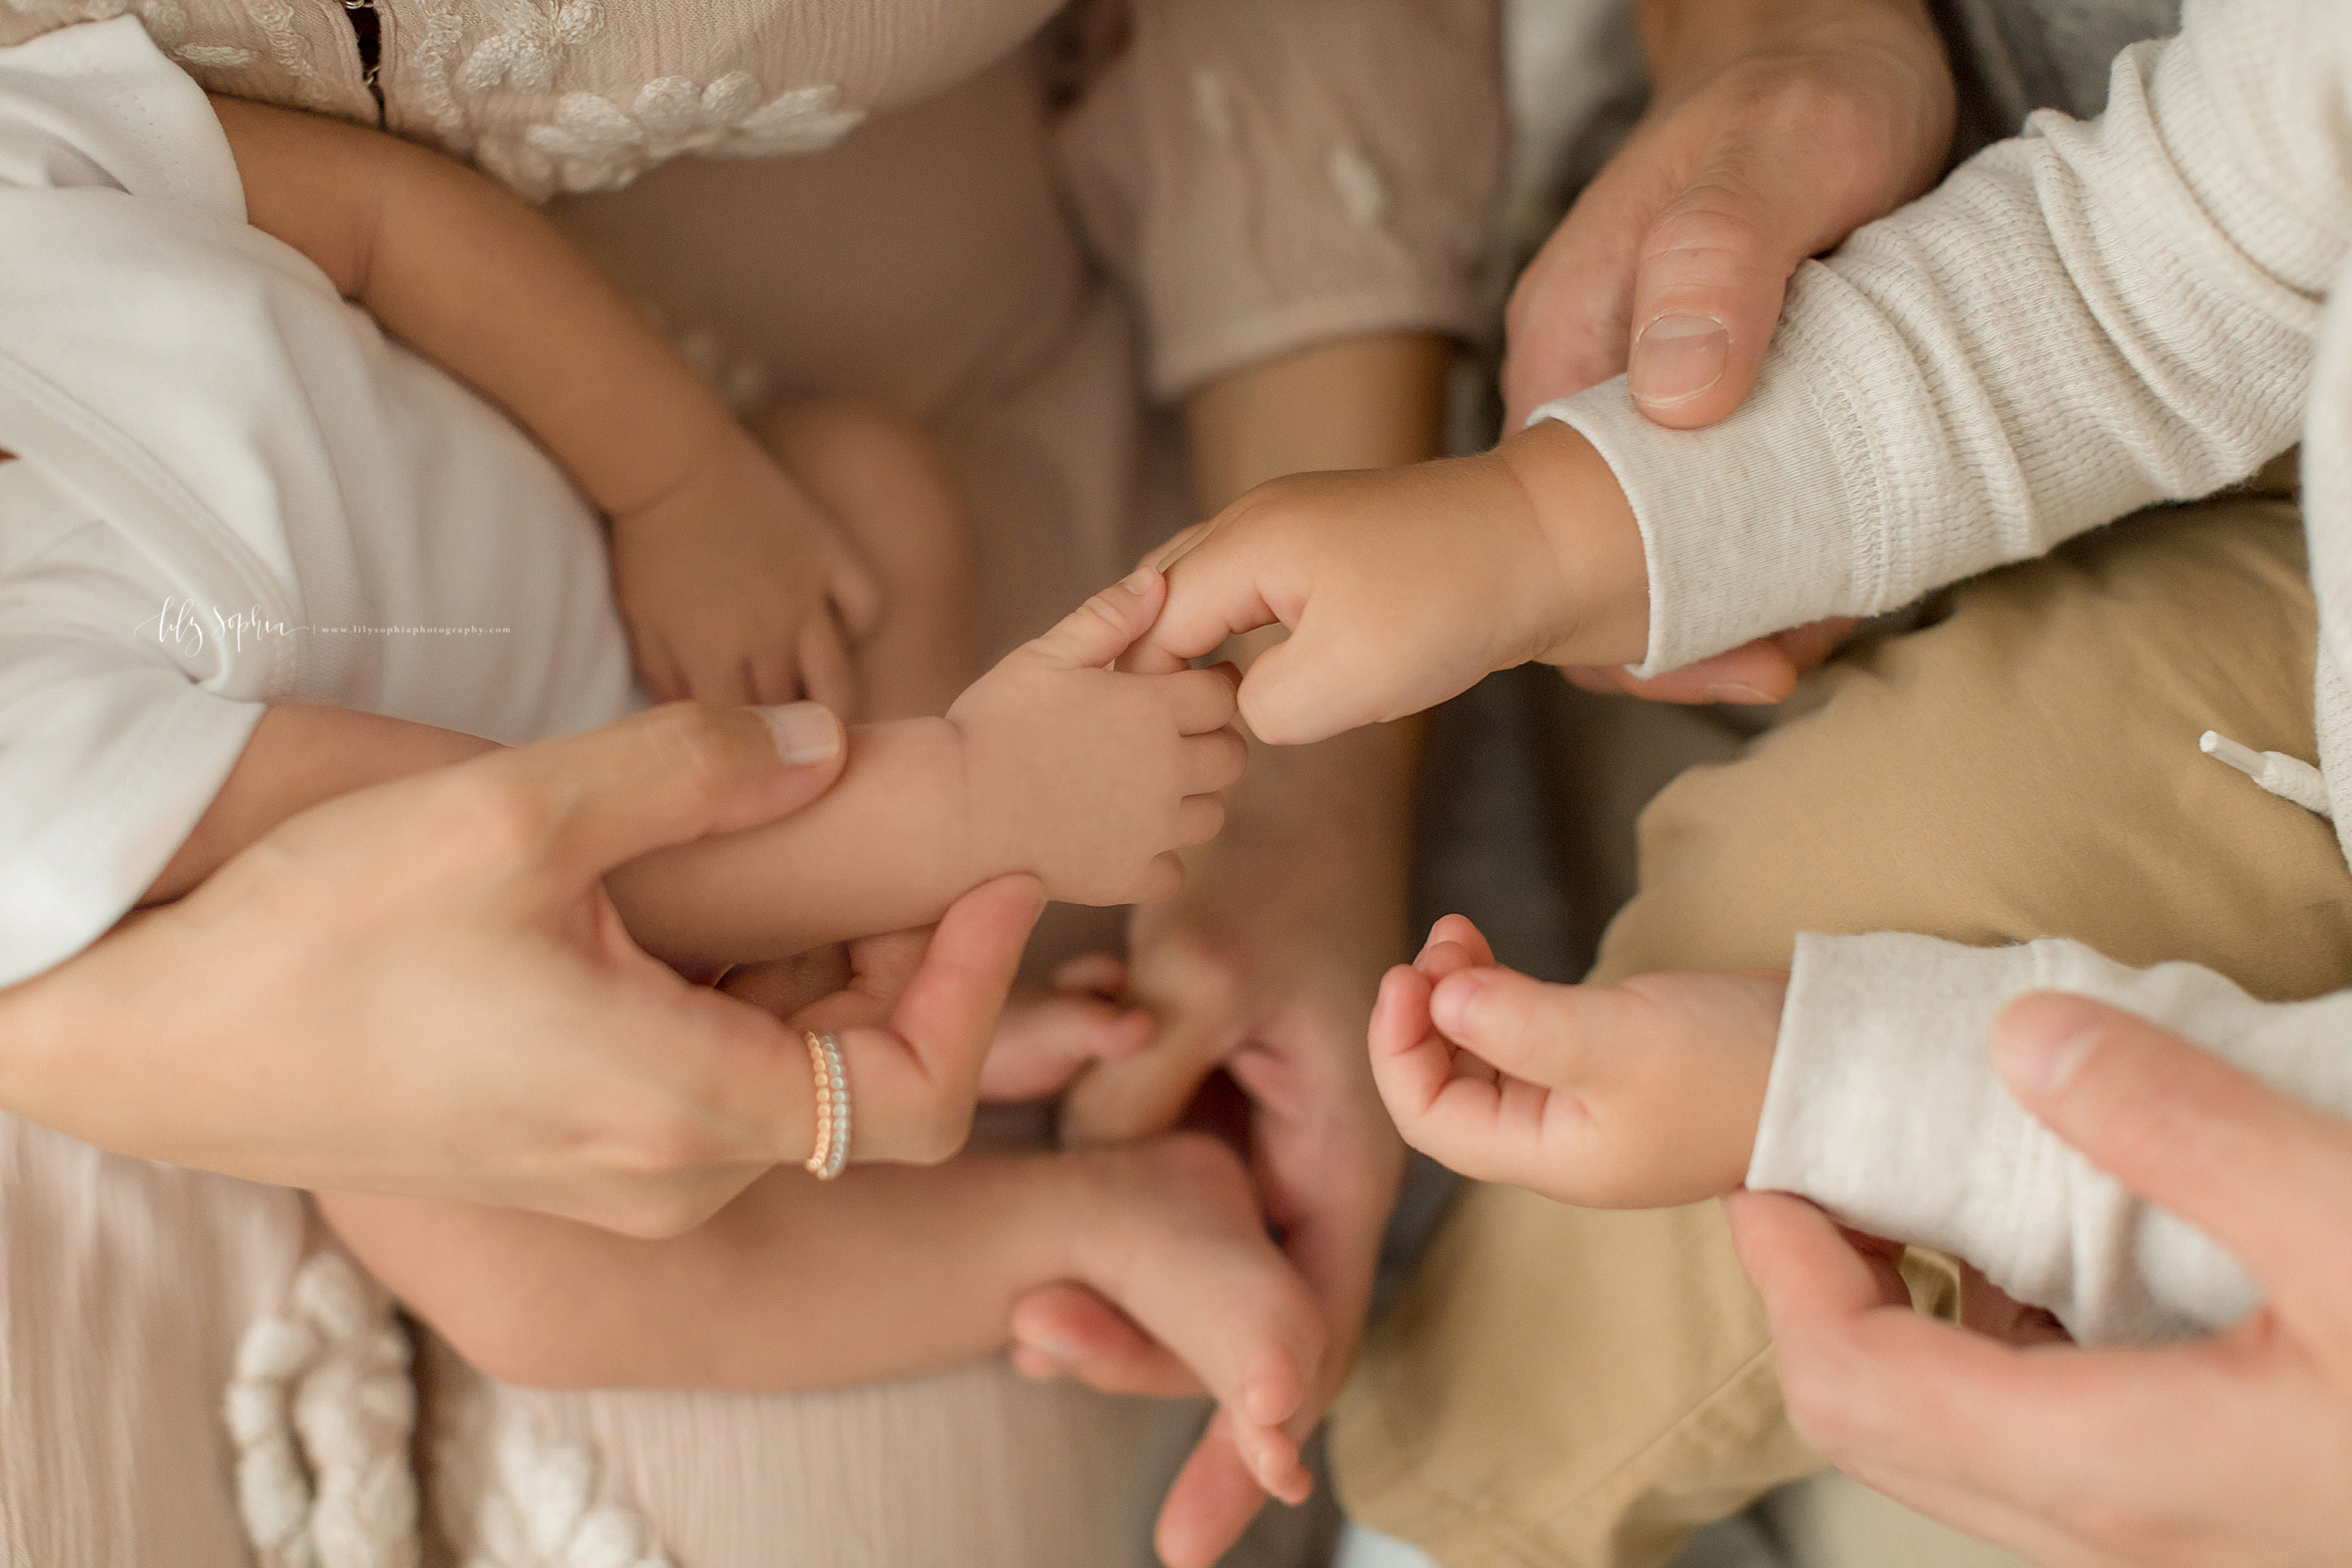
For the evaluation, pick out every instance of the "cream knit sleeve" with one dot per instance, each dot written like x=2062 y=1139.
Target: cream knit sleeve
x=2076 y=323
x=1883 y=1108
x=1267 y=174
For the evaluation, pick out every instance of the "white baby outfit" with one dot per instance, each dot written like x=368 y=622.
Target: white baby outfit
x=231 y=490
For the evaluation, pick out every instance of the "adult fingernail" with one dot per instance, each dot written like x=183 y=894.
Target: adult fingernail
x=2040 y=1047
x=1736 y=691
x=1677 y=357
x=1137 y=582
x=804 y=732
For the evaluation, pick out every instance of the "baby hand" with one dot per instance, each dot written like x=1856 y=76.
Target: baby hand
x=1403 y=587
x=735 y=589
x=1173 y=1236
x=1639 y=1094
x=1088 y=778
x=1047 y=1040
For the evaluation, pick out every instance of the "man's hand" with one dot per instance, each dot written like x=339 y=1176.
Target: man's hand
x=1775 y=130
x=2235 y=1449
x=422 y=988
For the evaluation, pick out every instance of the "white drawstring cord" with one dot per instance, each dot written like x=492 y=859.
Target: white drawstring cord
x=2288 y=778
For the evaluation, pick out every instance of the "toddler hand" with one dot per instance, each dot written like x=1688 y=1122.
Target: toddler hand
x=1090 y=778
x=1644 y=1094
x=1405 y=587
x=735 y=589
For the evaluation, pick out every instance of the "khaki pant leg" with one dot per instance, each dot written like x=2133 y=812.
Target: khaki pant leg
x=1560 y=1387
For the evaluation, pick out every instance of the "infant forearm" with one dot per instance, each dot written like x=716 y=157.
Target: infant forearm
x=790 y=1287
x=486 y=289
x=1588 y=529
x=887 y=848
x=301 y=754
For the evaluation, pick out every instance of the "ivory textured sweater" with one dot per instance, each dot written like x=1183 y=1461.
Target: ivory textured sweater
x=2080 y=321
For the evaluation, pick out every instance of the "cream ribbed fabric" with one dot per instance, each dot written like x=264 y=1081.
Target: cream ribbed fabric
x=2079 y=322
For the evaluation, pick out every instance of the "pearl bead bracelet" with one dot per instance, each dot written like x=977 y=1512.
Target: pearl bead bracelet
x=832 y=1154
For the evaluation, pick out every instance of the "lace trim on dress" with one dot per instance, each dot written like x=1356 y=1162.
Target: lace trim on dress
x=166 y=23
x=594 y=144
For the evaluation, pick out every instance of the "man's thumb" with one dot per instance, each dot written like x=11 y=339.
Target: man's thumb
x=1707 y=293
x=2265 y=1176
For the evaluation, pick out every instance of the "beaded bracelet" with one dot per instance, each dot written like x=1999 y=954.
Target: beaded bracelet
x=830 y=1155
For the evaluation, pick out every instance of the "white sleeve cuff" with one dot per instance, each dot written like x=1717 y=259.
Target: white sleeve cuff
x=1884 y=1109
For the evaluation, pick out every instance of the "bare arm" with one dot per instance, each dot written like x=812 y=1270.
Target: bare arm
x=483 y=286
x=1050 y=765
x=724 y=567
x=884 y=851
x=788 y=1287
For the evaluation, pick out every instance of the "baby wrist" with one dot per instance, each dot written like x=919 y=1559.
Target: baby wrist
x=1587 y=523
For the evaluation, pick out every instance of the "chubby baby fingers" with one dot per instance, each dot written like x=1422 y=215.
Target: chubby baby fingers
x=825 y=669
x=1454 y=942
x=1099 y=630
x=1161 y=880
x=1447 y=1103
x=1212 y=762
x=1411 y=1063
x=1199 y=819
x=1530 y=1028
x=1203 y=700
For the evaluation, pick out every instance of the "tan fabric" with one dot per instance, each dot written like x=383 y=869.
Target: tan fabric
x=1834 y=1521
x=1576 y=1388
x=124 y=1289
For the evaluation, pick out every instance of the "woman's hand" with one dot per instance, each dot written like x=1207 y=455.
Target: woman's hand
x=2235 y=1449
x=1775 y=130
x=915 y=1013
x=421 y=988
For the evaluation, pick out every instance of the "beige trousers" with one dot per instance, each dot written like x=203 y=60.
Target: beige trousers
x=1578 y=1388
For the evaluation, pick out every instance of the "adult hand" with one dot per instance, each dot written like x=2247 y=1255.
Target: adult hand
x=2234 y=1448
x=1775 y=130
x=421 y=988
x=915 y=1013
x=1266 y=966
